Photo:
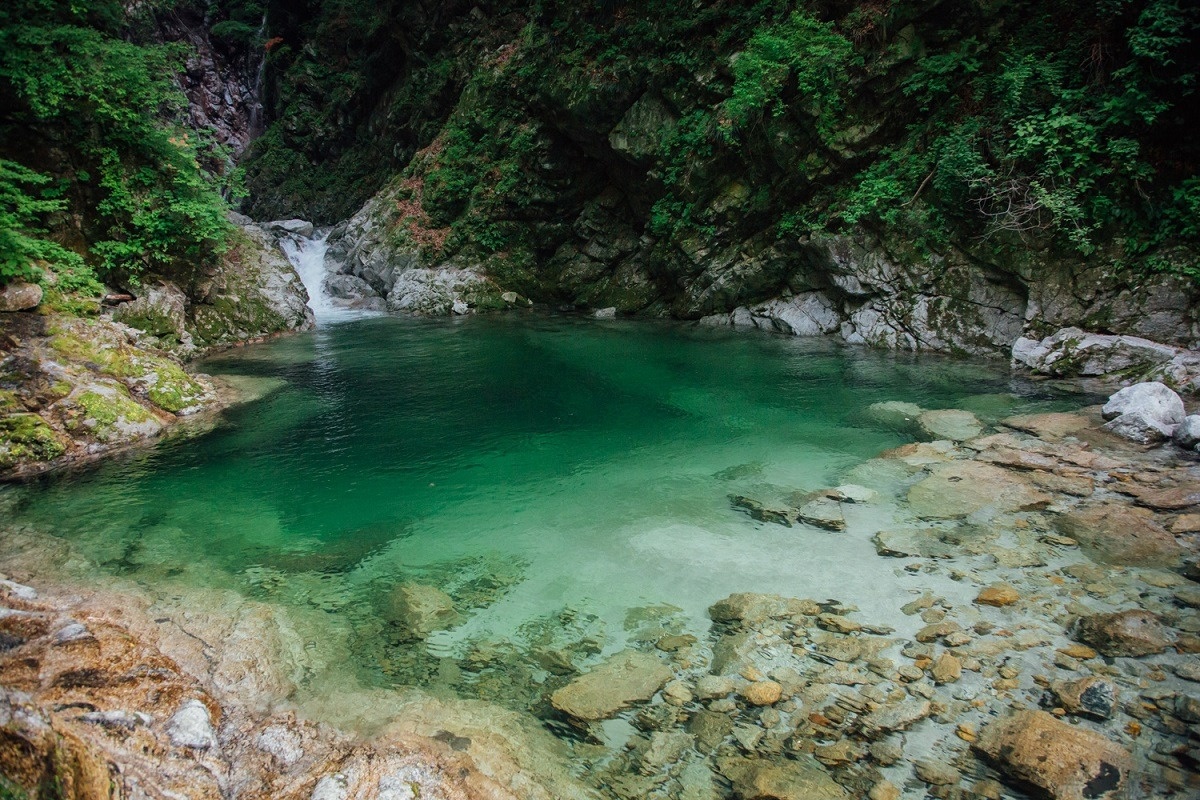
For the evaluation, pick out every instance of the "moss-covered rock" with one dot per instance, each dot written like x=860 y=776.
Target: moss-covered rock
x=26 y=437
x=73 y=389
x=106 y=412
x=256 y=292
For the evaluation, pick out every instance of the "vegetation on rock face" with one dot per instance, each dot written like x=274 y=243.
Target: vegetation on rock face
x=505 y=129
x=1064 y=125
x=90 y=149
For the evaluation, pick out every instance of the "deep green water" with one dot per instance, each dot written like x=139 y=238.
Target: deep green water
x=550 y=473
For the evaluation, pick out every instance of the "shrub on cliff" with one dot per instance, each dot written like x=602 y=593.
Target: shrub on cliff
x=85 y=103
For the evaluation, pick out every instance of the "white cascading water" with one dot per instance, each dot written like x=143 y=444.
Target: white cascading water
x=308 y=257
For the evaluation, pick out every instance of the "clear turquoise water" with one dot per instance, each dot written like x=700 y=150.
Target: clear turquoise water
x=550 y=473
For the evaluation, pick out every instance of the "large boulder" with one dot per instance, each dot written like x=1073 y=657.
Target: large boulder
x=351 y=291
x=962 y=488
x=420 y=609
x=804 y=314
x=294 y=227
x=442 y=292
x=1130 y=633
x=1116 y=533
x=1074 y=352
x=626 y=678
x=160 y=310
x=1145 y=412
x=1187 y=435
x=254 y=292
x=1060 y=761
x=20 y=296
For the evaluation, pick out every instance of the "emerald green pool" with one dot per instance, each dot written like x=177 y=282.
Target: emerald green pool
x=549 y=473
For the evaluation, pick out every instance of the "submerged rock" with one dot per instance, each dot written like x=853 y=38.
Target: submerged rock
x=1114 y=533
x=762 y=693
x=896 y=414
x=1132 y=633
x=961 y=488
x=420 y=609
x=750 y=608
x=895 y=717
x=626 y=678
x=952 y=424
x=760 y=511
x=1054 y=425
x=786 y=779
x=1092 y=696
x=907 y=542
x=1062 y=761
x=998 y=594
x=822 y=513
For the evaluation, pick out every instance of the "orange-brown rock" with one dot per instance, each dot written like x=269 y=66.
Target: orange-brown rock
x=1063 y=762
x=1113 y=533
x=998 y=594
x=93 y=706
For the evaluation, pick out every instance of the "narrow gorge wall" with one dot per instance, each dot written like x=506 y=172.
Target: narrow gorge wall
x=831 y=167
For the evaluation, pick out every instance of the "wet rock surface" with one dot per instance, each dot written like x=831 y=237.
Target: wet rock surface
x=73 y=390
x=626 y=678
x=1062 y=762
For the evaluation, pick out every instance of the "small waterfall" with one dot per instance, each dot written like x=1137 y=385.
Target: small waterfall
x=308 y=257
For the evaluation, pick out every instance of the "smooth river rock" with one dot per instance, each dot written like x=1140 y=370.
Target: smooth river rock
x=626 y=678
x=1113 y=533
x=961 y=488
x=1145 y=412
x=784 y=779
x=1061 y=761
x=420 y=609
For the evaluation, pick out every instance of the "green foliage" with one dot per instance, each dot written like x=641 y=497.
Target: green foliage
x=72 y=77
x=801 y=55
x=1020 y=141
x=22 y=233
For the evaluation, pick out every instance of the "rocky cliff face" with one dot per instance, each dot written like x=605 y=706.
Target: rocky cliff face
x=857 y=286
x=690 y=164
x=221 y=81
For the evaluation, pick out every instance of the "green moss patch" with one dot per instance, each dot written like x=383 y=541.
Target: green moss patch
x=104 y=413
x=27 y=437
x=172 y=389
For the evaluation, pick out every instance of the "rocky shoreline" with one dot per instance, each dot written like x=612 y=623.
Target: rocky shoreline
x=75 y=389
x=1068 y=672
